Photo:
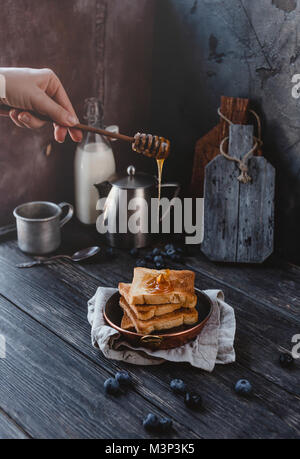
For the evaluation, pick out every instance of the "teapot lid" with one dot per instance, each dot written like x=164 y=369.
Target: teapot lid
x=133 y=180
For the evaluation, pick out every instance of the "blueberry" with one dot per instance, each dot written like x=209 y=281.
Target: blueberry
x=192 y=400
x=155 y=252
x=169 y=247
x=149 y=257
x=165 y=424
x=286 y=360
x=170 y=252
x=141 y=263
x=134 y=253
x=112 y=386
x=151 y=422
x=123 y=378
x=243 y=387
x=178 y=386
x=159 y=259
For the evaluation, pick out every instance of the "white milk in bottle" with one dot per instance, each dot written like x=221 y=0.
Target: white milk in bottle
x=94 y=163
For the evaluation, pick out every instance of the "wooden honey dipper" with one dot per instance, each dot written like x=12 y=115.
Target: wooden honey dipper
x=147 y=144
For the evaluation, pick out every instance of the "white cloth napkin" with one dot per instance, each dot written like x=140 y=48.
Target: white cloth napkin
x=214 y=345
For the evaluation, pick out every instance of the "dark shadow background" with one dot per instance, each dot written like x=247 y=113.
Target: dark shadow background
x=159 y=65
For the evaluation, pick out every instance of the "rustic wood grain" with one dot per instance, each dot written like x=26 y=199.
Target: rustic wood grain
x=272 y=287
x=208 y=147
x=236 y=110
x=56 y=296
x=45 y=379
x=221 y=190
x=221 y=199
x=239 y=217
x=250 y=301
x=256 y=213
x=9 y=429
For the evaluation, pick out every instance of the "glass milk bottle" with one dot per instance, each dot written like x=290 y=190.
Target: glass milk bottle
x=94 y=163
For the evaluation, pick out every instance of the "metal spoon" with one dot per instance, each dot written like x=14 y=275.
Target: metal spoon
x=76 y=257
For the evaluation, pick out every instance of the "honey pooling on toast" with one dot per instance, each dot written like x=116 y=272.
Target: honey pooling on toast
x=151 y=146
x=159 y=284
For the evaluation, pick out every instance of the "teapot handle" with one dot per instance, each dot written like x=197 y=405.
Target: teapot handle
x=177 y=187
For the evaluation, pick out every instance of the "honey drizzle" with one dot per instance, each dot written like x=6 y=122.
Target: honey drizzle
x=160 y=165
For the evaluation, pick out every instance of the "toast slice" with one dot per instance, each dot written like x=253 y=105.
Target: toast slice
x=165 y=322
x=126 y=323
x=150 y=286
x=148 y=311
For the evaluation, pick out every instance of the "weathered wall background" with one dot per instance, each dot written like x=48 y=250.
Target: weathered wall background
x=178 y=64
x=246 y=48
x=93 y=46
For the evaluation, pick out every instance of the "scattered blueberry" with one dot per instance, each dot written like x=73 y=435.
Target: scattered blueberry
x=151 y=422
x=149 y=257
x=169 y=247
x=123 y=378
x=159 y=259
x=112 y=386
x=286 y=360
x=155 y=252
x=165 y=424
x=170 y=252
x=134 y=253
x=192 y=400
x=141 y=263
x=178 y=386
x=243 y=387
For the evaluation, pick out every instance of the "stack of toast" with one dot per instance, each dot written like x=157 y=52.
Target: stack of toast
x=158 y=300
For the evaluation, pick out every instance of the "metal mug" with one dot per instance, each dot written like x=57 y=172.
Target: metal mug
x=39 y=226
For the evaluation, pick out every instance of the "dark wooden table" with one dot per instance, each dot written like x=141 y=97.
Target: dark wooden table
x=52 y=378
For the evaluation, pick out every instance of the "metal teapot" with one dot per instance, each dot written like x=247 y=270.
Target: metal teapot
x=120 y=199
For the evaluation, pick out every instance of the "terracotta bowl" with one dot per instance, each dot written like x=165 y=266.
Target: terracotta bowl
x=159 y=340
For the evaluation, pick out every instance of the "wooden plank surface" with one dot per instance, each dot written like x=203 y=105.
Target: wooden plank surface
x=265 y=337
x=239 y=217
x=9 y=430
x=256 y=213
x=272 y=286
x=56 y=296
x=221 y=195
x=52 y=391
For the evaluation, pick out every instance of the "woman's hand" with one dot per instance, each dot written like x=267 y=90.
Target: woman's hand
x=39 y=91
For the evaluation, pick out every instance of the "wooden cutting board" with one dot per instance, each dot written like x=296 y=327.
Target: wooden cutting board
x=207 y=148
x=238 y=217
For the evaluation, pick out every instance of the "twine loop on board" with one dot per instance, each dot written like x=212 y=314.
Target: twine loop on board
x=244 y=177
